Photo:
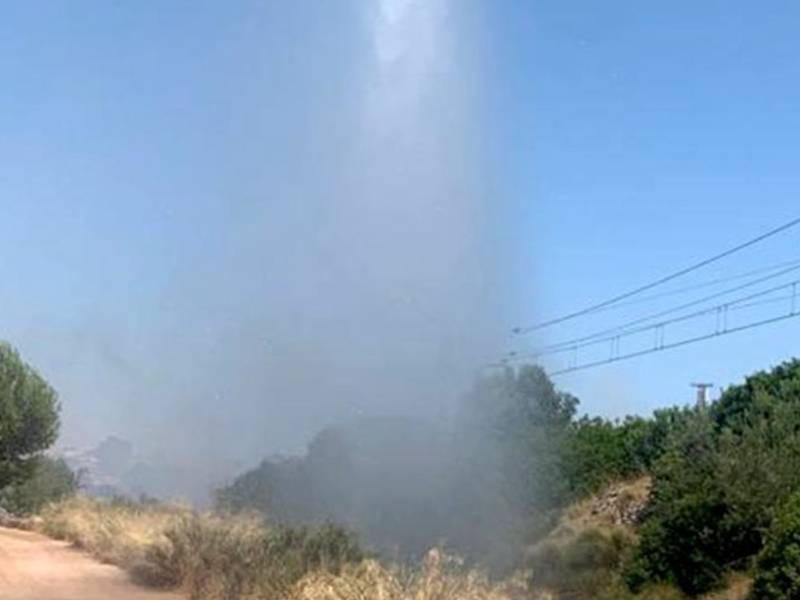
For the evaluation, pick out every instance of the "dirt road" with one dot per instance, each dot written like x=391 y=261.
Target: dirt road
x=33 y=567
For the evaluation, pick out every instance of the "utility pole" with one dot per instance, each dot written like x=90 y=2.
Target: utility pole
x=702 y=393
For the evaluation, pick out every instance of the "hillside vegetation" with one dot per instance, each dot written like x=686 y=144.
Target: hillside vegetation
x=691 y=502
x=486 y=488
x=719 y=478
x=229 y=558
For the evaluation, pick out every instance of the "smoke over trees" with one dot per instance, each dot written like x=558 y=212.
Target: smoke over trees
x=478 y=484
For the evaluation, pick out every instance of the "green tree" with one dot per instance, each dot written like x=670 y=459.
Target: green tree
x=759 y=467
x=736 y=401
x=531 y=427
x=599 y=451
x=51 y=481
x=647 y=439
x=778 y=565
x=596 y=453
x=718 y=485
x=28 y=417
x=509 y=448
x=681 y=541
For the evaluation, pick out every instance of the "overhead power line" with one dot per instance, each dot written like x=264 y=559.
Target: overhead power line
x=677 y=344
x=672 y=276
x=659 y=328
x=702 y=285
x=622 y=328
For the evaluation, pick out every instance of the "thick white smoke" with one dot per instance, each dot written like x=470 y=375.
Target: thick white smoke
x=341 y=260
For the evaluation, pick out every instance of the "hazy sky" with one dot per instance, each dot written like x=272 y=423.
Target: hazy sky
x=228 y=225
x=225 y=225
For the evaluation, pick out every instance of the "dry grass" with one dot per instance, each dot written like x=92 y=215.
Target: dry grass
x=737 y=588
x=440 y=577
x=119 y=533
x=582 y=557
x=240 y=558
x=609 y=508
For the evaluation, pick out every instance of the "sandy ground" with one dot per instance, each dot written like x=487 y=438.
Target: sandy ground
x=33 y=567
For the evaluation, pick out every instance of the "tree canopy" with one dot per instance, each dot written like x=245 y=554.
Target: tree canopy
x=29 y=417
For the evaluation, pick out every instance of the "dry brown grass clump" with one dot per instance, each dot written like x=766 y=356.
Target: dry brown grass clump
x=441 y=577
x=211 y=557
x=116 y=532
x=208 y=556
x=240 y=557
x=737 y=588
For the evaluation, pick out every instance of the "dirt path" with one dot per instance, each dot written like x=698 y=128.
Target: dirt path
x=33 y=567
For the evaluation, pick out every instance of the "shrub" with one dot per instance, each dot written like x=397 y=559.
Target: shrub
x=778 y=565
x=576 y=567
x=682 y=541
x=214 y=557
x=717 y=487
x=115 y=534
x=599 y=451
x=595 y=455
x=210 y=557
x=736 y=402
x=51 y=481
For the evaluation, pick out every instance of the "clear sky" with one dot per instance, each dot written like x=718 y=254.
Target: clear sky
x=634 y=140
x=254 y=218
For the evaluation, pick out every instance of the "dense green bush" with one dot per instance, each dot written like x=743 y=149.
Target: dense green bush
x=717 y=486
x=735 y=404
x=778 y=566
x=51 y=481
x=598 y=451
x=681 y=541
x=649 y=439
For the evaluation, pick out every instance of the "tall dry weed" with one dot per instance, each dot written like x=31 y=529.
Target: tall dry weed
x=211 y=557
x=115 y=532
x=441 y=577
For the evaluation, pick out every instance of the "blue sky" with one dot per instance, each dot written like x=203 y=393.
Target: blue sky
x=256 y=218
x=637 y=139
